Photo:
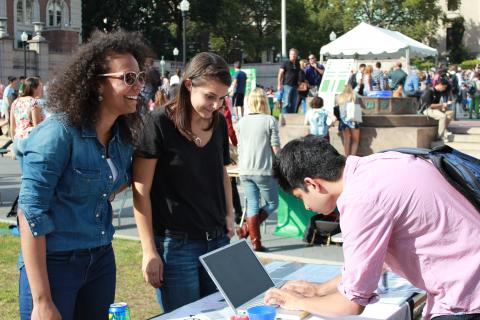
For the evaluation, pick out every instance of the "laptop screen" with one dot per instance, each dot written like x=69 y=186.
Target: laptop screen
x=238 y=272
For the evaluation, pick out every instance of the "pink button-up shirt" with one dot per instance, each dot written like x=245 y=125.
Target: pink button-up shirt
x=398 y=209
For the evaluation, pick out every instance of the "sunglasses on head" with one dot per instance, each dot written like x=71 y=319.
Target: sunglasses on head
x=129 y=77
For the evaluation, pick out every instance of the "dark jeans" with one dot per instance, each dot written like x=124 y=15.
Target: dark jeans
x=82 y=284
x=459 y=317
x=289 y=99
x=237 y=204
x=184 y=278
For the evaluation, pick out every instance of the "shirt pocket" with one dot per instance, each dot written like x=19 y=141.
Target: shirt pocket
x=87 y=181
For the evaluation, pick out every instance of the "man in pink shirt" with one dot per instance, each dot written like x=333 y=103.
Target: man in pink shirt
x=394 y=209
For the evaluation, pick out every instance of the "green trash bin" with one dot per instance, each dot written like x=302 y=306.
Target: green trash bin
x=292 y=217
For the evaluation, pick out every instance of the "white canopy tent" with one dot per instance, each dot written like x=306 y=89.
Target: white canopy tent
x=368 y=42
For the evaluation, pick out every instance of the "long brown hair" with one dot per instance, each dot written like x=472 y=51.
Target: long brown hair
x=204 y=67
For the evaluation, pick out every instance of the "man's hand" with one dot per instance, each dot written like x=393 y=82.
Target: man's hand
x=152 y=268
x=286 y=299
x=45 y=310
x=304 y=288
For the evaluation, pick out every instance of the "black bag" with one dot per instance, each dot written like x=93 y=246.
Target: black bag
x=461 y=170
x=320 y=228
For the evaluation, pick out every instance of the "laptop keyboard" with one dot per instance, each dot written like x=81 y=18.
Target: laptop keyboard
x=259 y=300
x=255 y=302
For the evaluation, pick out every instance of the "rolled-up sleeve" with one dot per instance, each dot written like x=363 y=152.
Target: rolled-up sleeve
x=274 y=137
x=45 y=156
x=366 y=231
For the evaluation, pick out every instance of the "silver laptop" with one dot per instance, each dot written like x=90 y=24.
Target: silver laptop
x=241 y=278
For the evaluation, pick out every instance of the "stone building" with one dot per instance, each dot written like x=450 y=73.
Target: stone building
x=470 y=11
x=53 y=28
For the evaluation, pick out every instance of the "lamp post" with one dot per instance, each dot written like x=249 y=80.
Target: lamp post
x=175 y=54
x=162 y=66
x=24 y=38
x=184 y=7
x=332 y=36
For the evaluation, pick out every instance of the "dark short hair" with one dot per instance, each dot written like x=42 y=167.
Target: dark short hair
x=22 y=78
x=11 y=78
x=31 y=84
x=378 y=64
x=316 y=102
x=443 y=81
x=362 y=65
x=310 y=156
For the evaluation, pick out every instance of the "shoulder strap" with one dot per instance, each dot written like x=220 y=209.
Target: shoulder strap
x=461 y=170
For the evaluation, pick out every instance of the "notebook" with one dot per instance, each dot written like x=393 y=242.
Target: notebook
x=242 y=279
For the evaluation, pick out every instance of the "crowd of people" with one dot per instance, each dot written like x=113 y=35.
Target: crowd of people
x=112 y=120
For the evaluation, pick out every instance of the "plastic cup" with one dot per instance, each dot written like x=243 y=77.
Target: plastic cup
x=262 y=313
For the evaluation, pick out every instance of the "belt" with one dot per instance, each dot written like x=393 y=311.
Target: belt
x=194 y=235
x=83 y=251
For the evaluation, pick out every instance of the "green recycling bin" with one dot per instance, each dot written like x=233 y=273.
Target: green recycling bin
x=292 y=217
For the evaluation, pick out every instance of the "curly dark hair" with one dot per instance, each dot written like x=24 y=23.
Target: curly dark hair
x=74 y=92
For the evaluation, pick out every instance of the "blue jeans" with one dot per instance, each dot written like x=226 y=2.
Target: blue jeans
x=82 y=284
x=256 y=186
x=289 y=99
x=184 y=278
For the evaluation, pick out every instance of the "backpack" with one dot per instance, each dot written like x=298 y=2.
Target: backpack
x=461 y=170
x=318 y=122
x=321 y=228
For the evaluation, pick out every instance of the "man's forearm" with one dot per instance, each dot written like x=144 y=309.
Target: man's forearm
x=331 y=305
x=328 y=287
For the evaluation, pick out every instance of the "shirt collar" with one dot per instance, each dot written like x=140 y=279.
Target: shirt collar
x=88 y=131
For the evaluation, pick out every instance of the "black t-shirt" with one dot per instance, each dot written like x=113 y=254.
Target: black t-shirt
x=429 y=97
x=187 y=191
x=290 y=77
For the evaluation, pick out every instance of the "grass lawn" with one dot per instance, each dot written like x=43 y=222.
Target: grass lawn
x=131 y=287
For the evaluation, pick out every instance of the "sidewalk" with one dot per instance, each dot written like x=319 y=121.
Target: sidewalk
x=280 y=248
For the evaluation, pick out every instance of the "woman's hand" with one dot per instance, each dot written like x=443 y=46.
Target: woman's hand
x=45 y=310
x=152 y=268
x=230 y=225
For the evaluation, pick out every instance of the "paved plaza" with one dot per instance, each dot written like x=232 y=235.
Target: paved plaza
x=280 y=248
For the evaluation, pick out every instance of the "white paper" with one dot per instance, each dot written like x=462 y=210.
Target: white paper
x=315 y=273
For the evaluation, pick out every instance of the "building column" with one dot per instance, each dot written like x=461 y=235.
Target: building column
x=40 y=46
x=3 y=19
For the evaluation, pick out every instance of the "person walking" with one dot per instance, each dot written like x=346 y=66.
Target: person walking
x=287 y=81
x=350 y=129
x=182 y=194
x=258 y=141
x=314 y=74
x=74 y=163
x=239 y=85
x=398 y=77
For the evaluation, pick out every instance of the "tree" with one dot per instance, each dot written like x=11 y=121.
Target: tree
x=250 y=27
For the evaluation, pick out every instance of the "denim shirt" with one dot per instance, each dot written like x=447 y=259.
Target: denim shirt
x=67 y=183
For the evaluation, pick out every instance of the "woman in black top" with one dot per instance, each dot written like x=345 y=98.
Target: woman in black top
x=181 y=186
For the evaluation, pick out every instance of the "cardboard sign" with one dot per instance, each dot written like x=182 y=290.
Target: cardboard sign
x=337 y=73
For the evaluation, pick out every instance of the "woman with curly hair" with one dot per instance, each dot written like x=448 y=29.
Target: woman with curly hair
x=73 y=164
x=181 y=186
